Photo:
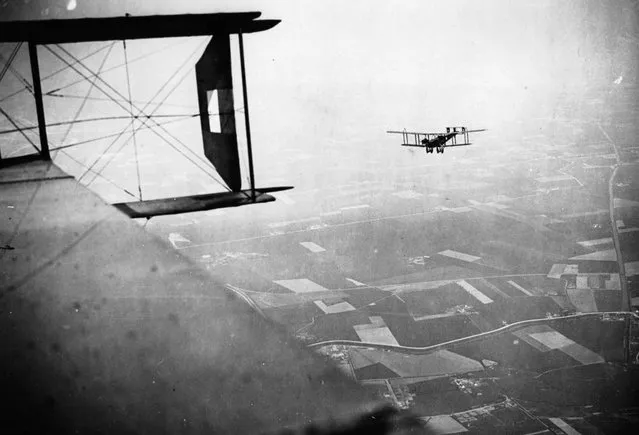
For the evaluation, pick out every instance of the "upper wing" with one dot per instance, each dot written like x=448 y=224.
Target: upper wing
x=433 y=134
x=132 y=27
x=415 y=132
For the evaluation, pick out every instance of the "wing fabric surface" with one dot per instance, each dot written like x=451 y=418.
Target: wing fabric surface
x=213 y=74
x=113 y=331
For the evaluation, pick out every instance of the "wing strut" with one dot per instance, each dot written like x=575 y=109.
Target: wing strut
x=246 y=116
x=37 y=93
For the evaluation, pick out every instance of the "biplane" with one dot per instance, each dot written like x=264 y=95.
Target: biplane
x=213 y=72
x=105 y=327
x=436 y=141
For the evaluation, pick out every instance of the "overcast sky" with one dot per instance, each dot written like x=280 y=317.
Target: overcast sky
x=345 y=72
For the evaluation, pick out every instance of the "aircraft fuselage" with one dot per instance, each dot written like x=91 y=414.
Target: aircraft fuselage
x=438 y=142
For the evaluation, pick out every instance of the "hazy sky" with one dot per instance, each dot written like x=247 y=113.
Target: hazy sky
x=336 y=72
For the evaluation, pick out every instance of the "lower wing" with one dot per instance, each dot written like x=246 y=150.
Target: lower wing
x=458 y=145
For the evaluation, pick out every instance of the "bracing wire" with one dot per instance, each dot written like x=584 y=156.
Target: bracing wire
x=8 y=62
x=108 y=180
x=135 y=117
x=136 y=59
x=149 y=116
x=101 y=176
x=135 y=142
x=143 y=118
x=57 y=95
x=140 y=116
x=195 y=163
x=104 y=92
x=16 y=73
x=54 y=73
x=100 y=118
x=175 y=86
x=101 y=90
x=6 y=115
x=84 y=101
x=92 y=74
x=110 y=135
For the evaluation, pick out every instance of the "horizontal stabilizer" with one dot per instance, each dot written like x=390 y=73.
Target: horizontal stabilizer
x=189 y=204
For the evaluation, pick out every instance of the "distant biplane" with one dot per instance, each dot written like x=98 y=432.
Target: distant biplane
x=436 y=141
x=214 y=80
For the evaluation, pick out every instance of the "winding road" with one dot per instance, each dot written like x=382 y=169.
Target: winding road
x=463 y=340
x=626 y=303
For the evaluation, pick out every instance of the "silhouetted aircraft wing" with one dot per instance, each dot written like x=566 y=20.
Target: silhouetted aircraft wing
x=213 y=72
x=106 y=328
x=187 y=204
x=132 y=27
